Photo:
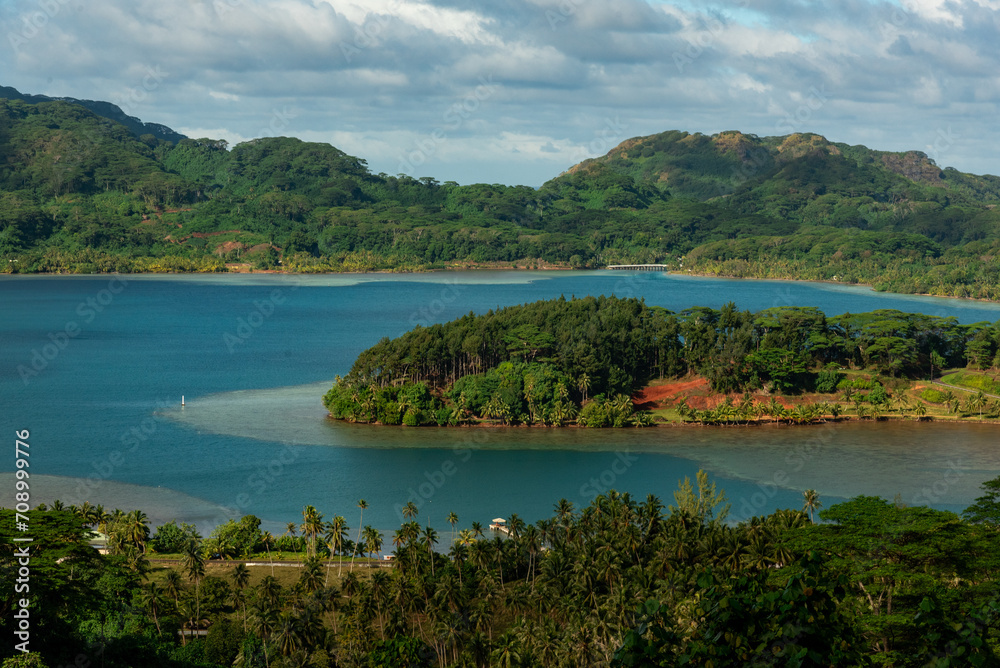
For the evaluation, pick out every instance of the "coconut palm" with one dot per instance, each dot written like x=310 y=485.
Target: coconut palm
x=194 y=565
x=267 y=540
x=336 y=534
x=362 y=504
x=241 y=578
x=452 y=520
x=173 y=586
x=430 y=540
x=152 y=598
x=373 y=541
x=811 y=503
x=312 y=526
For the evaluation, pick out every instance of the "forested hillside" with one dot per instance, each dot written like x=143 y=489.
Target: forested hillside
x=79 y=192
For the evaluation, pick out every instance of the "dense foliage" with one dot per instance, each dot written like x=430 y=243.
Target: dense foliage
x=617 y=582
x=543 y=362
x=79 y=192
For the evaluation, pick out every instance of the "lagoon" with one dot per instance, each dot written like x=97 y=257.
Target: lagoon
x=96 y=369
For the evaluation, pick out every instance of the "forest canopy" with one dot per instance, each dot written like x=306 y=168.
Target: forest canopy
x=543 y=362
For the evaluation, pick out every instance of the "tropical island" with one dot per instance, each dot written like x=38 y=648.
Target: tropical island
x=618 y=362
x=85 y=193
x=618 y=582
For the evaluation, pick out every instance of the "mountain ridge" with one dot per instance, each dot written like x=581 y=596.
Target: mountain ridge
x=79 y=192
x=106 y=109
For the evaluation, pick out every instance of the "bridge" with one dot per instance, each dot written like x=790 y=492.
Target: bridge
x=639 y=267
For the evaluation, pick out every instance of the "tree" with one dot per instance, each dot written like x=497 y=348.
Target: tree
x=452 y=520
x=811 y=503
x=986 y=509
x=707 y=504
x=194 y=564
x=241 y=578
x=312 y=526
x=336 y=534
x=152 y=598
x=362 y=504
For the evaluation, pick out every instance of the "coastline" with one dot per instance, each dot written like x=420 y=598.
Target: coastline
x=480 y=267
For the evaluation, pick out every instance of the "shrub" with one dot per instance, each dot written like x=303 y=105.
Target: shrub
x=413 y=417
x=442 y=416
x=170 y=538
x=933 y=396
x=828 y=380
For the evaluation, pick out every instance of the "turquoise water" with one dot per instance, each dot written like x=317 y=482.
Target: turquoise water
x=95 y=368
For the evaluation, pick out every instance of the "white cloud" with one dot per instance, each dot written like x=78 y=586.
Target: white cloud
x=375 y=76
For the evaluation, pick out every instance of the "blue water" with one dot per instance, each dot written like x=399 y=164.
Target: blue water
x=95 y=368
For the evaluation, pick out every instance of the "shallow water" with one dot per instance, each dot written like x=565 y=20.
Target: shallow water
x=253 y=355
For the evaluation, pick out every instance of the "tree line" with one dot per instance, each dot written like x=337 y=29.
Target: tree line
x=616 y=582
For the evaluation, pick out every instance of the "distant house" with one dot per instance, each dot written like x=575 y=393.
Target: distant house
x=99 y=542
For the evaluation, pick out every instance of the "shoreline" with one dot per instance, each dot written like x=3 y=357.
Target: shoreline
x=846 y=419
x=506 y=269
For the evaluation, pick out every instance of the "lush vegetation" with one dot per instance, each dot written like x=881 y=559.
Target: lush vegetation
x=618 y=582
x=560 y=361
x=79 y=192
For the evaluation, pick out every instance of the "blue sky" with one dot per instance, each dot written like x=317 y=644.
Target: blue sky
x=516 y=91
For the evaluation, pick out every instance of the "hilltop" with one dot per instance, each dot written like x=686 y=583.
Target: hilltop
x=81 y=192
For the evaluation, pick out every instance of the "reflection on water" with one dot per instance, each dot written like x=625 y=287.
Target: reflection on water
x=925 y=463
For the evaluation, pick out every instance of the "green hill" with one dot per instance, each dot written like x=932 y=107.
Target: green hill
x=80 y=192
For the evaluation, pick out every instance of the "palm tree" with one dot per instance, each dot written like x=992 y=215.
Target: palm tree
x=286 y=634
x=194 y=564
x=452 y=520
x=312 y=525
x=373 y=541
x=269 y=590
x=173 y=586
x=267 y=540
x=362 y=504
x=264 y=622
x=430 y=540
x=977 y=402
x=410 y=510
x=583 y=383
x=152 y=598
x=336 y=533
x=241 y=578
x=812 y=503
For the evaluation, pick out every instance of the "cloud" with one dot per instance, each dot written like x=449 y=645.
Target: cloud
x=376 y=76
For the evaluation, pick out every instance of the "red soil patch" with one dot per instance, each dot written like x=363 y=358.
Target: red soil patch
x=222 y=249
x=657 y=394
x=698 y=394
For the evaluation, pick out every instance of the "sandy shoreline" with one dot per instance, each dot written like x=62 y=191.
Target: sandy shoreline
x=161 y=505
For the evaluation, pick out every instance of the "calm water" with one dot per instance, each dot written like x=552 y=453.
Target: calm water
x=96 y=368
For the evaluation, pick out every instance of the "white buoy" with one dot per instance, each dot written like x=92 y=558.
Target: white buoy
x=182 y=400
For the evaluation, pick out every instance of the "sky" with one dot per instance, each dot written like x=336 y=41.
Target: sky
x=517 y=91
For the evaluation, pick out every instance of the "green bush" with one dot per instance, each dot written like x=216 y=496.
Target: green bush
x=413 y=417
x=933 y=396
x=442 y=416
x=828 y=381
